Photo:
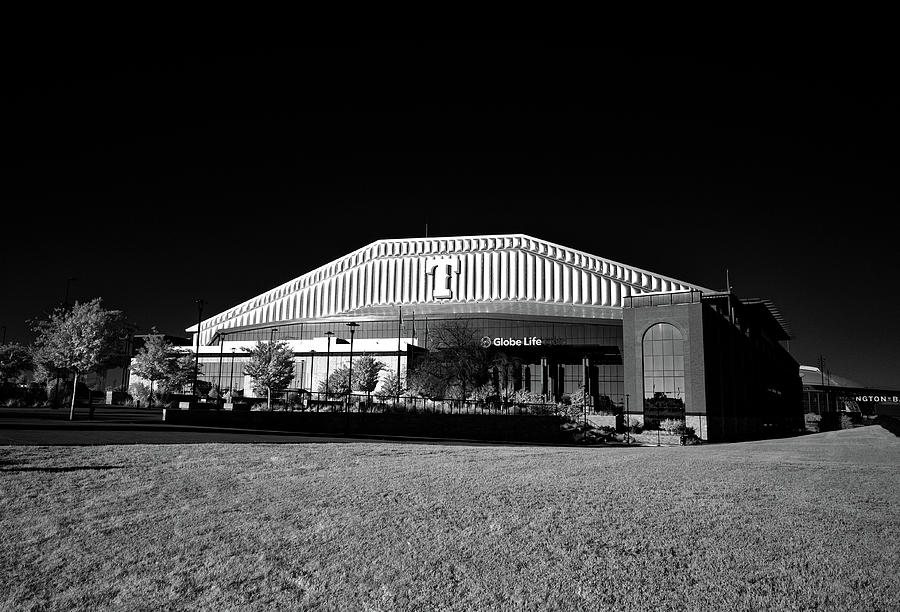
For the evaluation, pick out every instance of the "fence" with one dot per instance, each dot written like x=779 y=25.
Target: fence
x=357 y=402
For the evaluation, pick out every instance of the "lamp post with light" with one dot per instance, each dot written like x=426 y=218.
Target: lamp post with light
x=352 y=325
x=312 y=363
x=329 y=334
x=221 y=351
x=231 y=378
x=197 y=354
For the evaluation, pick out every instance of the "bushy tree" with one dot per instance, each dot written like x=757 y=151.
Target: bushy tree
x=154 y=361
x=365 y=373
x=271 y=367
x=78 y=339
x=183 y=370
x=338 y=382
x=14 y=360
x=389 y=388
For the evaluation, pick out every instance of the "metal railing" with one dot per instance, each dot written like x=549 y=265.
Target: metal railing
x=304 y=401
x=661 y=299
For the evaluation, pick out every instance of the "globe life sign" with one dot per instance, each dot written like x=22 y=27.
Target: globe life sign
x=488 y=342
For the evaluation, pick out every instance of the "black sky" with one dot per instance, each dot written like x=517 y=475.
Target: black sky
x=159 y=175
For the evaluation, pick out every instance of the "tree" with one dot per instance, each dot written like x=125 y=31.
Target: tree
x=14 y=359
x=389 y=387
x=78 y=339
x=153 y=361
x=455 y=364
x=182 y=372
x=271 y=367
x=338 y=383
x=508 y=368
x=365 y=373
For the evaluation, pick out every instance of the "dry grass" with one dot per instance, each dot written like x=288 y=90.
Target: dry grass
x=798 y=524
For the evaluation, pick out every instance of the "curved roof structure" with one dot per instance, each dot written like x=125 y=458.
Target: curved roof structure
x=511 y=273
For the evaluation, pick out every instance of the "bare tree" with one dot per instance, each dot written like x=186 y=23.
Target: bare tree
x=456 y=362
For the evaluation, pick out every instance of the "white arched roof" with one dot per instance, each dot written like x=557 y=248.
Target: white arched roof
x=463 y=270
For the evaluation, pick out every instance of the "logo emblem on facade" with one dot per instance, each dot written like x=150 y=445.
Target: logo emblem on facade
x=487 y=341
x=442 y=268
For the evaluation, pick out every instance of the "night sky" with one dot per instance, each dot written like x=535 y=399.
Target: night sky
x=157 y=176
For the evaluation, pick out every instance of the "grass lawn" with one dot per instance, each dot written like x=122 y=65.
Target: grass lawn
x=810 y=523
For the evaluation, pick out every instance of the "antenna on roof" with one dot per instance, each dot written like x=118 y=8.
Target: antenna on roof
x=426 y=229
x=727 y=281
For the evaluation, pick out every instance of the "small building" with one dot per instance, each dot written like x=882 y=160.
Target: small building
x=825 y=393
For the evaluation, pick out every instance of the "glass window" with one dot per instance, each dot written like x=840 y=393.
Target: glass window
x=663 y=356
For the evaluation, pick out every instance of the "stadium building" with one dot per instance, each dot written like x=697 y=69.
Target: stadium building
x=639 y=342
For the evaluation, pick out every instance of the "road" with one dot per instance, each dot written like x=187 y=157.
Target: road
x=125 y=425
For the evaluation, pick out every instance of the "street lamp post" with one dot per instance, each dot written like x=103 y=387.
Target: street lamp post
x=197 y=354
x=327 y=359
x=231 y=378
x=585 y=378
x=352 y=325
x=312 y=362
x=627 y=419
x=221 y=349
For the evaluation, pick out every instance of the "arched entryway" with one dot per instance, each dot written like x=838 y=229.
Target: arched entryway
x=663 y=352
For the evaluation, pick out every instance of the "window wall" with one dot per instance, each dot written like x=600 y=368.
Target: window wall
x=663 y=351
x=551 y=333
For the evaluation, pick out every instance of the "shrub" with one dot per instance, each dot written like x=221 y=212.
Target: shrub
x=690 y=440
x=139 y=391
x=836 y=420
x=846 y=422
x=523 y=397
x=672 y=426
x=634 y=426
x=571 y=412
